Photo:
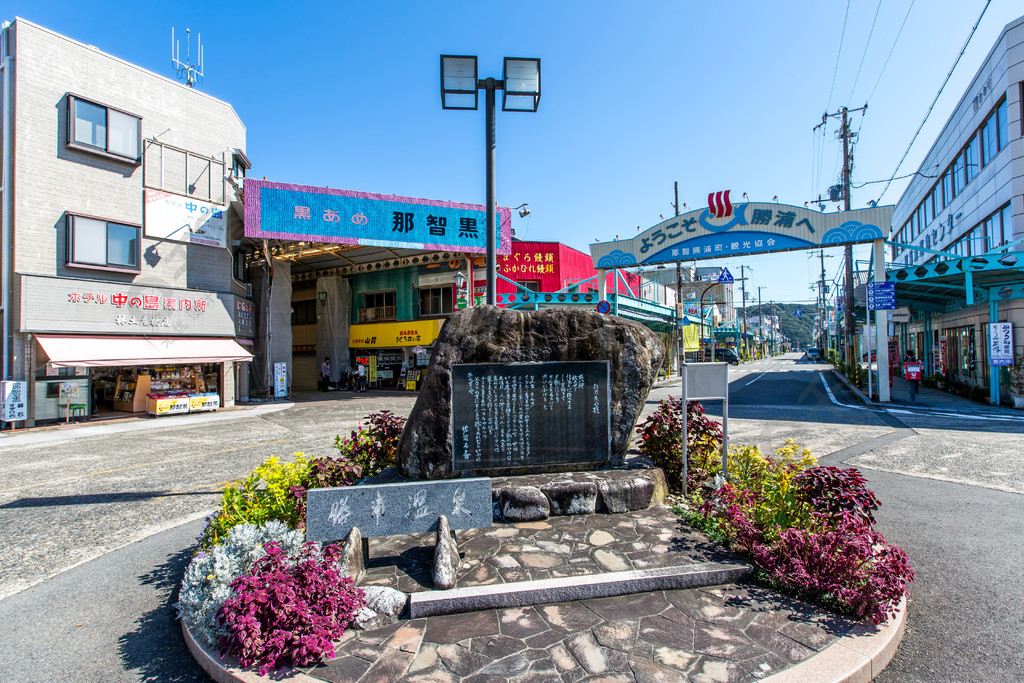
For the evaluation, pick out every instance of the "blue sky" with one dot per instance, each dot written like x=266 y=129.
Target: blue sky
x=635 y=97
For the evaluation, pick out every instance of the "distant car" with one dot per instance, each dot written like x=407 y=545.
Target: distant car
x=813 y=352
x=726 y=355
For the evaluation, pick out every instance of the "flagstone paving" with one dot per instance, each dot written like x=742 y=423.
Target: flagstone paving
x=557 y=547
x=727 y=633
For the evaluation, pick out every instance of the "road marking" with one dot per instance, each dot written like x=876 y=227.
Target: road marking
x=832 y=397
x=755 y=379
x=930 y=413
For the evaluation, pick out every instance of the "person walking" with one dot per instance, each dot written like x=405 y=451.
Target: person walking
x=360 y=377
x=325 y=373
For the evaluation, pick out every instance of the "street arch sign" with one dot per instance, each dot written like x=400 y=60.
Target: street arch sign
x=749 y=228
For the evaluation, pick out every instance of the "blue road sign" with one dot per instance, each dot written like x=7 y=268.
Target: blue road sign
x=881 y=296
x=798 y=313
x=725 y=277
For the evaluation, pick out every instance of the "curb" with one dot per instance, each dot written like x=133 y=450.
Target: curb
x=860 y=655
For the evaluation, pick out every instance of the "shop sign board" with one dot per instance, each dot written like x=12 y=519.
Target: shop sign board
x=284 y=211
x=171 y=405
x=184 y=219
x=900 y=315
x=942 y=355
x=280 y=380
x=747 y=228
x=200 y=402
x=68 y=391
x=1000 y=350
x=384 y=335
x=61 y=305
x=530 y=414
x=15 y=405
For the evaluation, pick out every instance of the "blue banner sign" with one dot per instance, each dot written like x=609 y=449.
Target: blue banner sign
x=881 y=296
x=283 y=211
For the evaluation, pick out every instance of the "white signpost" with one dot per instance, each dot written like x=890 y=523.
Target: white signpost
x=15 y=405
x=707 y=382
x=280 y=380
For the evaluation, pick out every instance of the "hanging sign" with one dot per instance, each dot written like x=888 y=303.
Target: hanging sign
x=1000 y=344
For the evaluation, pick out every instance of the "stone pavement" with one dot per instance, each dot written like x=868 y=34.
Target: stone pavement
x=731 y=632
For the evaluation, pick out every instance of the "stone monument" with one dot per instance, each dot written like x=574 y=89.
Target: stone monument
x=492 y=335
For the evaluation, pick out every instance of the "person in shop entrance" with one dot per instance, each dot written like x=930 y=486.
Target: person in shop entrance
x=360 y=377
x=325 y=373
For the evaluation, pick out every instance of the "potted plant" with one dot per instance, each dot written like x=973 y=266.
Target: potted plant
x=1017 y=381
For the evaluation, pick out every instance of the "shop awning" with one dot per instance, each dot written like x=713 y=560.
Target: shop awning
x=67 y=351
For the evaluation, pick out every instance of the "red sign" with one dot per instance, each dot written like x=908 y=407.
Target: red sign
x=912 y=371
x=719 y=205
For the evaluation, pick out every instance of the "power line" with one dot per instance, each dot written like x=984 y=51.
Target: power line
x=866 y=46
x=892 y=49
x=937 y=95
x=842 y=37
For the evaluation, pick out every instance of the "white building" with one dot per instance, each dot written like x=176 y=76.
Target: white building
x=118 y=225
x=960 y=211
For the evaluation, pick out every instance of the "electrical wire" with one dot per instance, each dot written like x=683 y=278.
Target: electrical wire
x=937 y=95
x=839 y=54
x=865 y=54
x=891 y=50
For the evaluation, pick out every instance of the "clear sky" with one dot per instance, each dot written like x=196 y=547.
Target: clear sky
x=636 y=96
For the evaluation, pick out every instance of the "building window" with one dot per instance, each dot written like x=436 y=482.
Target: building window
x=532 y=285
x=304 y=312
x=96 y=243
x=958 y=175
x=95 y=128
x=436 y=301
x=947 y=189
x=971 y=159
x=378 y=306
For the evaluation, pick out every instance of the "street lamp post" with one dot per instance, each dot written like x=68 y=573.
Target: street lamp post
x=520 y=84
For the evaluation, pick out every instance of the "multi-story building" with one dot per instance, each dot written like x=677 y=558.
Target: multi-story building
x=957 y=221
x=119 y=222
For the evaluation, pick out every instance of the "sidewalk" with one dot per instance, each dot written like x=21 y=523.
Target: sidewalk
x=934 y=400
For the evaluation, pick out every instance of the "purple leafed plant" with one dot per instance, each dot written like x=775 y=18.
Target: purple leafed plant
x=837 y=494
x=288 y=612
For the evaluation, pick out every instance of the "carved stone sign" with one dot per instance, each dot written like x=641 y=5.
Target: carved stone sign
x=530 y=415
x=394 y=509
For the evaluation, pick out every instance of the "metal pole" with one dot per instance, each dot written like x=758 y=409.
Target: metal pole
x=489 y=146
x=680 y=347
x=743 y=285
x=760 y=313
x=686 y=456
x=881 y=326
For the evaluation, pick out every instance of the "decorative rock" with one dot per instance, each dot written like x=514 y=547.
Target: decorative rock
x=488 y=334
x=446 y=556
x=524 y=504
x=625 y=495
x=351 y=563
x=571 y=497
x=383 y=605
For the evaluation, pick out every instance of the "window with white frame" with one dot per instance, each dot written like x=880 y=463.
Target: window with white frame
x=100 y=129
x=96 y=243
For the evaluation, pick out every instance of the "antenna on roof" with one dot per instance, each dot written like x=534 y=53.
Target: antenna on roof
x=192 y=73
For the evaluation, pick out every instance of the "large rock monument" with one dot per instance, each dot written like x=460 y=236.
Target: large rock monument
x=566 y=337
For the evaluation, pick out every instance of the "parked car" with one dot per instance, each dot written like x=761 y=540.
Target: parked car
x=727 y=355
x=813 y=352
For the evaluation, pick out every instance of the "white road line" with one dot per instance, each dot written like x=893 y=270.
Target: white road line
x=932 y=413
x=832 y=397
x=755 y=379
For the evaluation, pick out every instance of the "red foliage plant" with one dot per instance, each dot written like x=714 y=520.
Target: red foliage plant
x=288 y=612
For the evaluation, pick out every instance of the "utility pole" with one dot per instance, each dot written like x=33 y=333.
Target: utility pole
x=847 y=137
x=822 y=312
x=771 y=325
x=743 y=285
x=680 y=344
x=760 y=313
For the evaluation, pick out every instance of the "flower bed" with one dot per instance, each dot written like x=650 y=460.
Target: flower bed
x=255 y=589
x=808 y=529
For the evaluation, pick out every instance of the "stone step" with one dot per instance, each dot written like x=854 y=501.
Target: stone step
x=565 y=589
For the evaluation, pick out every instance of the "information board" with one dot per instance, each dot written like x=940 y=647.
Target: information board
x=15 y=394
x=1000 y=340
x=881 y=296
x=530 y=415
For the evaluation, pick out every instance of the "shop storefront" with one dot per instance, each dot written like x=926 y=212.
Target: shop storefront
x=396 y=354
x=103 y=349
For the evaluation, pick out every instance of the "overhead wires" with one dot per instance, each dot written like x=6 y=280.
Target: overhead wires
x=934 y=101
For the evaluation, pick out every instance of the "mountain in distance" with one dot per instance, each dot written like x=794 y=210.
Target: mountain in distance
x=797 y=329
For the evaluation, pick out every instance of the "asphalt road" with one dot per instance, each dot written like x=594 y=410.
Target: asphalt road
x=97 y=529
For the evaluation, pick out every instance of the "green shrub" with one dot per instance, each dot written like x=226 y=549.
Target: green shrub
x=263 y=496
x=660 y=440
